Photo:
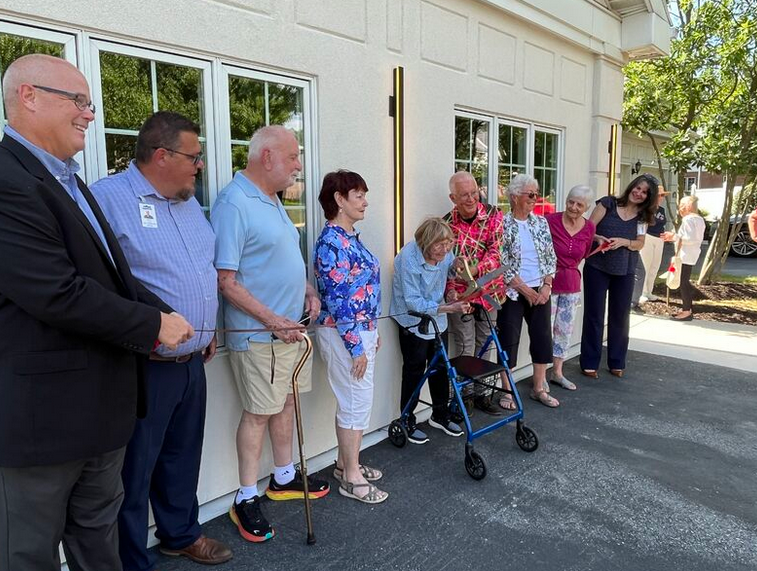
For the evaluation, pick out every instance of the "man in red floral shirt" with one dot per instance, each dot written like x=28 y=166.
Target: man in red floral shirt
x=478 y=241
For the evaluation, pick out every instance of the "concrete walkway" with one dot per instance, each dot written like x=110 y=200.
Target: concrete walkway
x=652 y=472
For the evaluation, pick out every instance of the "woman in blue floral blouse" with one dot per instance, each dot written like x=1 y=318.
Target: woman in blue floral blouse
x=348 y=283
x=530 y=263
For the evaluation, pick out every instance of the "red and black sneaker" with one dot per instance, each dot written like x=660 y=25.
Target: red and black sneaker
x=295 y=490
x=250 y=521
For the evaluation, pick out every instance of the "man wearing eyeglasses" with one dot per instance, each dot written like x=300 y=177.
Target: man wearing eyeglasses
x=170 y=247
x=76 y=327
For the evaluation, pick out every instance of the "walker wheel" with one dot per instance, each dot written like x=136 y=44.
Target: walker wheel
x=397 y=434
x=526 y=439
x=475 y=465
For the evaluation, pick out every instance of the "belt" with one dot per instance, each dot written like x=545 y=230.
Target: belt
x=180 y=359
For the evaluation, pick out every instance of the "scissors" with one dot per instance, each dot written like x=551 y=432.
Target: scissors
x=477 y=287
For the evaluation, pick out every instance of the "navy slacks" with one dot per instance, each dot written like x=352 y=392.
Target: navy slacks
x=617 y=290
x=162 y=463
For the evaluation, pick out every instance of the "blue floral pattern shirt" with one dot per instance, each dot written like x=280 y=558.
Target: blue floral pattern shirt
x=348 y=280
x=542 y=238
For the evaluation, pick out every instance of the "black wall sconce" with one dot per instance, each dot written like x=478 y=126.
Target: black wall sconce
x=635 y=169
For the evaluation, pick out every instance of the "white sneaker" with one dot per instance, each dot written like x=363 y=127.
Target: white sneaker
x=652 y=297
x=643 y=299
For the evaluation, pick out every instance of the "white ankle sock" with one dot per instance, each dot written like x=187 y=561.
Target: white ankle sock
x=246 y=493
x=283 y=475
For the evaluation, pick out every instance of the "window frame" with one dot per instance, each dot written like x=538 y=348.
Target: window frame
x=531 y=128
x=98 y=45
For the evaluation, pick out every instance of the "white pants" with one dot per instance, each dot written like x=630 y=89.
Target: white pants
x=651 y=256
x=354 y=397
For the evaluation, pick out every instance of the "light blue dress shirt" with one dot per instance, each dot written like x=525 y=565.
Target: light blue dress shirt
x=419 y=286
x=172 y=255
x=256 y=239
x=65 y=173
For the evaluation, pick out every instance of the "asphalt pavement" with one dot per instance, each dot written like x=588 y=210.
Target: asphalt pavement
x=652 y=472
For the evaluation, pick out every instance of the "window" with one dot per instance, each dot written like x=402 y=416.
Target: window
x=134 y=84
x=17 y=41
x=689 y=183
x=520 y=148
x=472 y=147
x=545 y=169
x=256 y=100
x=511 y=158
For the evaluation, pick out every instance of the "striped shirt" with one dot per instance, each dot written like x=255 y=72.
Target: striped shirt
x=171 y=254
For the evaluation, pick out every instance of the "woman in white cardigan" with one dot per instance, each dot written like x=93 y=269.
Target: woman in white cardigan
x=689 y=237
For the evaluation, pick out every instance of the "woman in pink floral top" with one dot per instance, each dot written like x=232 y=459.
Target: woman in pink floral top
x=572 y=237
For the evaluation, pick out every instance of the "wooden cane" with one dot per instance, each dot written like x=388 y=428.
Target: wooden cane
x=298 y=419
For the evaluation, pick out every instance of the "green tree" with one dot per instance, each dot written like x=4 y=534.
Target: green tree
x=703 y=94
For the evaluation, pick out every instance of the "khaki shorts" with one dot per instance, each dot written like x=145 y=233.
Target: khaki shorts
x=252 y=375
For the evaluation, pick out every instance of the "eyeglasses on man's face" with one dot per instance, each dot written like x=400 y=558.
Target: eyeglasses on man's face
x=195 y=158
x=81 y=101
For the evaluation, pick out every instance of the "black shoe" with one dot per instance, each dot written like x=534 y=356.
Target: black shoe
x=446 y=426
x=295 y=490
x=637 y=309
x=486 y=405
x=250 y=521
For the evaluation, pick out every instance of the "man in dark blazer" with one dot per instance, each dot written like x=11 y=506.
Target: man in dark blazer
x=76 y=327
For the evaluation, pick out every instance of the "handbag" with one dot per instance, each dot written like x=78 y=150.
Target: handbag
x=673 y=276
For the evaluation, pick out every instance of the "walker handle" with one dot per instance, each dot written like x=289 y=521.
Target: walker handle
x=425 y=320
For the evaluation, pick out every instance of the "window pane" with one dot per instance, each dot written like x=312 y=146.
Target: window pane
x=550 y=154
x=126 y=91
x=201 y=181
x=285 y=107
x=539 y=149
x=13 y=47
x=462 y=138
x=119 y=150
x=239 y=157
x=180 y=90
x=246 y=107
x=519 y=146
x=255 y=103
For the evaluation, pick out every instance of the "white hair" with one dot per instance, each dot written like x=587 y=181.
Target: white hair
x=581 y=192
x=458 y=177
x=691 y=201
x=265 y=138
x=519 y=183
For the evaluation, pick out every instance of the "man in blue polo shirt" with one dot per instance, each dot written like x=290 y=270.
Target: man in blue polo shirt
x=261 y=275
x=169 y=245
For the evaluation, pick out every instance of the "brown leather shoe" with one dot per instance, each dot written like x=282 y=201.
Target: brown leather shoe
x=205 y=550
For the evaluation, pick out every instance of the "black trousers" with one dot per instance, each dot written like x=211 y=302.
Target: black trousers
x=686 y=289
x=163 y=463
x=417 y=354
x=539 y=322
x=601 y=287
x=74 y=502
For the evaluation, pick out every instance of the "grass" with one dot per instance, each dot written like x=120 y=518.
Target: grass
x=743 y=303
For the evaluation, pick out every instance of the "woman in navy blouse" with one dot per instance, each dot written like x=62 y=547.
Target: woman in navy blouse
x=609 y=274
x=347 y=275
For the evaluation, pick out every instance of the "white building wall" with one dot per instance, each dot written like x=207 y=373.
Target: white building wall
x=456 y=54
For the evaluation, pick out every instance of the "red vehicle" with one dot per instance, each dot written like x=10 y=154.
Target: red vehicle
x=543 y=207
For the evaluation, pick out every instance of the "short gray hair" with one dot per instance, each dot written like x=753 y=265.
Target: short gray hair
x=518 y=183
x=460 y=176
x=581 y=192
x=265 y=138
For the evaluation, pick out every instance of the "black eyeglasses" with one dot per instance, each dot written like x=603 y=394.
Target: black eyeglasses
x=79 y=99
x=195 y=158
x=531 y=195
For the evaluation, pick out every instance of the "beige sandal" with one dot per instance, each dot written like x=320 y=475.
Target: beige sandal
x=544 y=398
x=374 y=495
x=507 y=403
x=370 y=474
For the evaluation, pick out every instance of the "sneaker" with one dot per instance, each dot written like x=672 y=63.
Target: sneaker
x=652 y=297
x=295 y=490
x=249 y=520
x=446 y=426
x=644 y=299
x=417 y=436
